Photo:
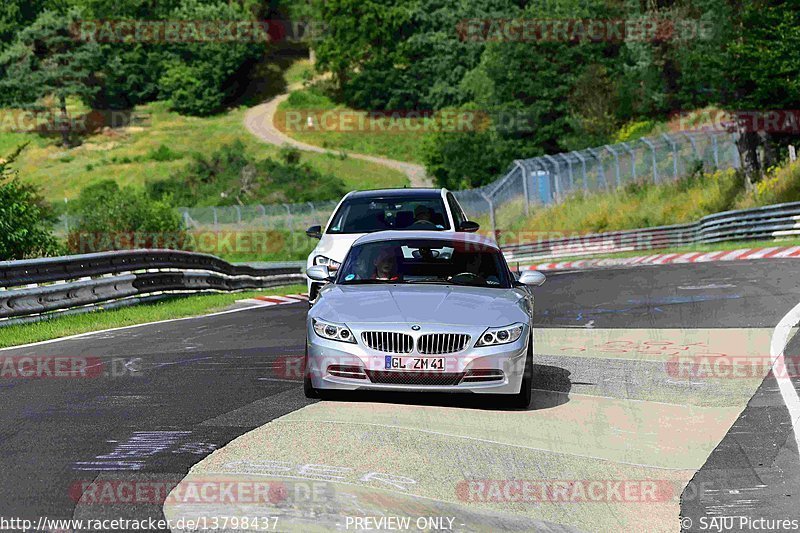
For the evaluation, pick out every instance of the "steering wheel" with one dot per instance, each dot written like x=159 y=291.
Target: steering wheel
x=467 y=277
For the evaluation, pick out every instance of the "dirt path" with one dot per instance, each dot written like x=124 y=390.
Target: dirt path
x=259 y=121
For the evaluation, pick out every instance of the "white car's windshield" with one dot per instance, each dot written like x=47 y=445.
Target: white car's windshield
x=366 y=215
x=425 y=261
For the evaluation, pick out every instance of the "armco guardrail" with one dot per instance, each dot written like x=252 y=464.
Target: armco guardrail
x=762 y=223
x=32 y=288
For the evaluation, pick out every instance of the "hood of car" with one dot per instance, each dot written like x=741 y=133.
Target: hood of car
x=424 y=304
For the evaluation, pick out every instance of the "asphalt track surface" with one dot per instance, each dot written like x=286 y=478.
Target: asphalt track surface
x=609 y=404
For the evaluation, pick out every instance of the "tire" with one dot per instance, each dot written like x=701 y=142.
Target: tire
x=522 y=399
x=308 y=386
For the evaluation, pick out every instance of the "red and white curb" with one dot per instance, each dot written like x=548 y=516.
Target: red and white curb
x=667 y=259
x=275 y=300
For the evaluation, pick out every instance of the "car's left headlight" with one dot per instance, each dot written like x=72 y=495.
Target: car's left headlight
x=328 y=262
x=333 y=332
x=503 y=335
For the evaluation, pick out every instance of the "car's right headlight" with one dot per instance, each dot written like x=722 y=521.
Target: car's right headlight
x=504 y=335
x=333 y=332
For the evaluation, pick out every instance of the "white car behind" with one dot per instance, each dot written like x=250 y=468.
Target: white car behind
x=363 y=212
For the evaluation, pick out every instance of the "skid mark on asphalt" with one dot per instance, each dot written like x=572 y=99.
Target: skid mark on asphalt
x=605 y=408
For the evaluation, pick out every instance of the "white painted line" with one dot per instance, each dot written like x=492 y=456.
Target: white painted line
x=780 y=338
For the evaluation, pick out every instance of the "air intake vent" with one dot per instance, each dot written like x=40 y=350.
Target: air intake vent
x=439 y=343
x=388 y=341
x=430 y=379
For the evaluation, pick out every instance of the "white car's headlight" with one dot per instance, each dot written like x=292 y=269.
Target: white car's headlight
x=504 y=335
x=327 y=261
x=334 y=332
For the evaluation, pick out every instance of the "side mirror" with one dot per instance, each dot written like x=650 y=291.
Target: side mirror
x=315 y=232
x=469 y=226
x=319 y=273
x=532 y=278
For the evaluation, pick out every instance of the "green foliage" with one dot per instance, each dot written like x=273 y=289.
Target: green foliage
x=26 y=221
x=230 y=176
x=104 y=211
x=47 y=60
x=200 y=76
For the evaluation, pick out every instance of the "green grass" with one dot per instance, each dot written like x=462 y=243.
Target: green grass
x=401 y=141
x=130 y=155
x=178 y=307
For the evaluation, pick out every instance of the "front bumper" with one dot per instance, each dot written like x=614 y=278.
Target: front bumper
x=509 y=358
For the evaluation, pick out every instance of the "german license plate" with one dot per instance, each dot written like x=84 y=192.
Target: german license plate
x=418 y=364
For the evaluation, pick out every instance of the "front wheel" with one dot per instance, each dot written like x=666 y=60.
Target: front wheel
x=523 y=398
x=308 y=387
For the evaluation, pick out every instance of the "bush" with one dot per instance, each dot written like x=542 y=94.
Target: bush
x=163 y=154
x=112 y=218
x=26 y=221
x=231 y=176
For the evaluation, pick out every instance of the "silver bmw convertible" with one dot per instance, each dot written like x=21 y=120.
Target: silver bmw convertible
x=419 y=311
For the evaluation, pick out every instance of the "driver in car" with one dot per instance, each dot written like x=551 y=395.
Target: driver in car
x=423 y=218
x=386 y=266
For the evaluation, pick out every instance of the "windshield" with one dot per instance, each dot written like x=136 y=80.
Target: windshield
x=425 y=261
x=365 y=215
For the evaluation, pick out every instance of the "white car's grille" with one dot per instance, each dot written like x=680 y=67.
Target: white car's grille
x=388 y=341
x=439 y=343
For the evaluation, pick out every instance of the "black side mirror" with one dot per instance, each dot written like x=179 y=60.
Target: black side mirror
x=315 y=232
x=469 y=226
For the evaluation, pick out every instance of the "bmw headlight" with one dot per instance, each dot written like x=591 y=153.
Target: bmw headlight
x=504 y=335
x=327 y=261
x=334 y=332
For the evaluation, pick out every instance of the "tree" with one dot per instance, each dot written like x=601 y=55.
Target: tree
x=46 y=59
x=26 y=221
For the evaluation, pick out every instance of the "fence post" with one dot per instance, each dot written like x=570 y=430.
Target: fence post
x=601 y=172
x=633 y=159
x=263 y=210
x=569 y=170
x=491 y=213
x=524 y=186
x=716 y=150
x=672 y=142
x=557 y=186
x=216 y=220
x=289 y=217
x=616 y=164
x=653 y=153
x=583 y=167
x=238 y=214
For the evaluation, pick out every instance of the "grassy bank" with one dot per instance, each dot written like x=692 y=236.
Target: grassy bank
x=155 y=144
x=347 y=129
x=178 y=307
x=646 y=205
